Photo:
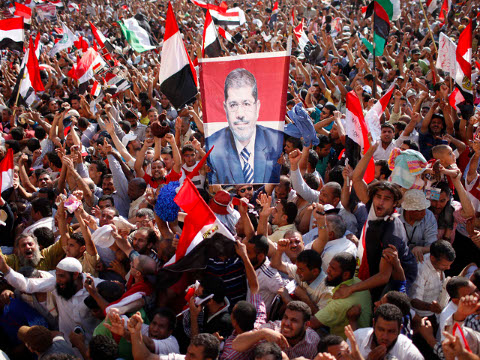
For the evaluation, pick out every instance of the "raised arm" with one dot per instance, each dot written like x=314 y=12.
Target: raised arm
x=360 y=186
x=141 y=157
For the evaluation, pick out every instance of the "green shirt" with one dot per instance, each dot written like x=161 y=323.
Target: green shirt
x=334 y=314
x=124 y=347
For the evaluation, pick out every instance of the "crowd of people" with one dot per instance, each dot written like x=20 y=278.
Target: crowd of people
x=325 y=265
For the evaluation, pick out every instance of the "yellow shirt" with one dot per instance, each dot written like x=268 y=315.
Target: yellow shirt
x=50 y=257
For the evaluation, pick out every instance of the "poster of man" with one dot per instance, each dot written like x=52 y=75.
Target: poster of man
x=245 y=125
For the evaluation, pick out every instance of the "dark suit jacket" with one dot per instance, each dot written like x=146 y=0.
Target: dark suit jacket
x=225 y=164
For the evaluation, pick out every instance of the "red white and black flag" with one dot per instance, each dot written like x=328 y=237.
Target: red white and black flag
x=25 y=12
x=101 y=39
x=357 y=142
x=211 y=45
x=90 y=64
x=6 y=170
x=202 y=233
x=178 y=79
x=12 y=34
x=463 y=76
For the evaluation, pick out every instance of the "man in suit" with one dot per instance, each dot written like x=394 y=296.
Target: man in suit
x=245 y=152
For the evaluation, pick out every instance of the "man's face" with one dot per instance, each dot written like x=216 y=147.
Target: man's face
x=189 y=158
x=289 y=147
x=5 y=115
x=158 y=171
x=75 y=104
x=281 y=192
x=245 y=192
x=159 y=328
x=168 y=161
x=296 y=245
x=323 y=152
x=277 y=214
x=65 y=284
x=134 y=191
x=252 y=255
x=327 y=196
x=134 y=147
x=437 y=206
x=242 y=112
x=387 y=135
x=44 y=181
x=102 y=204
x=106 y=218
x=292 y=326
x=143 y=221
x=164 y=102
x=305 y=274
x=194 y=353
x=341 y=351
x=74 y=249
x=152 y=116
x=377 y=172
x=107 y=186
x=416 y=215
x=334 y=273
x=93 y=172
x=133 y=122
x=436 y=126
x=27 y=248
x=386 y=332
x=52 y=106
x=440 y=264
x=326 y=113
x=139 y=242
x=470 y=289
x=383 y=203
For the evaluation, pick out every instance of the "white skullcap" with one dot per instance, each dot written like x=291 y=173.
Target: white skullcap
x=70 y=264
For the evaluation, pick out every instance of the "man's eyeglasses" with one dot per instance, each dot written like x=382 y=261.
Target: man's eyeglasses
x=246 y=189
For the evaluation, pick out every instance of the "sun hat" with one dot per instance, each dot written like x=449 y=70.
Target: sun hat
x=415 y=200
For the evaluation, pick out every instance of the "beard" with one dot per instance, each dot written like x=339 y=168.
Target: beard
x=33 y=262
x=68 y=291
x=334 y=282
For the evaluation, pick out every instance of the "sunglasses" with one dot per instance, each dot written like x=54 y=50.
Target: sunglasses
x=246 y=189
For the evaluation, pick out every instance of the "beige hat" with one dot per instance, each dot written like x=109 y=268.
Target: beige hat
x=415 y=200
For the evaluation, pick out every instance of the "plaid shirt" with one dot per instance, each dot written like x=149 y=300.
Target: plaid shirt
x=228 y=352
x=306 y=348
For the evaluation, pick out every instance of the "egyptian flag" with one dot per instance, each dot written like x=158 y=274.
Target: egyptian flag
x=372 y=118
x=299 y=33
x=81 y=44
x=96 y=88
x=463 y=54
x=178 y=79
x=456 y=98
x=292 y=17
x=12 y=34
x=211 y=45
x=201 y=236
x=274 y=17
x=90 y=64
x=25 y=12
x=57 y=3
x=28 y=80
x=228 y=17
x=73 y=7
x=101 y=39
x=225 y=34
x=431 y=6
x=6 y=169
x=357 y=135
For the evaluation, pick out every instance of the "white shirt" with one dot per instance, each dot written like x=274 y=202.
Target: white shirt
x=428 y=285
x=270 y=282
x=334 y=247
x=71 y=312
x=251 y=149
x=383 y=154
x=402 y=350
x=47 y=222
x=444 y=315
x=165 y=346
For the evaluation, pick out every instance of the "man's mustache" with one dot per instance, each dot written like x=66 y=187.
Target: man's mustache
x=241 y=122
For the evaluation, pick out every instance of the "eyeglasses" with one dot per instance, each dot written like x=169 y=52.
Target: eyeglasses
x=246 y=189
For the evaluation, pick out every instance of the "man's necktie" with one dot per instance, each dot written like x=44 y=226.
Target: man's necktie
x=247 y=169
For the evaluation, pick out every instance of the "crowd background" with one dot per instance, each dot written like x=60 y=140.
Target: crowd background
x=325 y=266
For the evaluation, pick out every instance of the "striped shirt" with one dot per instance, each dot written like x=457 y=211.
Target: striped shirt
x=232 y=272
x=269 y=281
x=307 y=347
x=228 y=352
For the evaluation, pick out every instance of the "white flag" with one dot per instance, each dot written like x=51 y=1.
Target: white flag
x=446 y=59
x=67 y=41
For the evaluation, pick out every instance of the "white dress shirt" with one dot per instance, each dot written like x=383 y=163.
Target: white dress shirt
x=383 y=154
x=402 y=350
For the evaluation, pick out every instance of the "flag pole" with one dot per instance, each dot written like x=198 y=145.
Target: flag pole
x=428 y=25
x=16 y=99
